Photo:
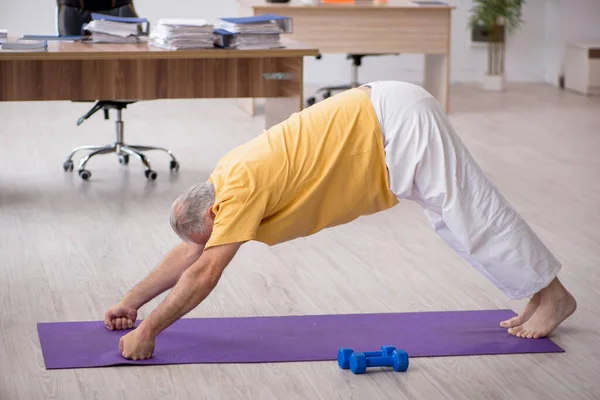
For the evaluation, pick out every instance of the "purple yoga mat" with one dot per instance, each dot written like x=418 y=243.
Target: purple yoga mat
x=291 y=338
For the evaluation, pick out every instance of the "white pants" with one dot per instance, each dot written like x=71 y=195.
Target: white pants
x=428 y=164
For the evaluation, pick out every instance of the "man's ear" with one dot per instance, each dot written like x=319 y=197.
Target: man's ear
x=211 y=213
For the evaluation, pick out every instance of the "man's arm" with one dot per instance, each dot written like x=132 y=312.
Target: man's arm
x=163 y=277
x=193 y=287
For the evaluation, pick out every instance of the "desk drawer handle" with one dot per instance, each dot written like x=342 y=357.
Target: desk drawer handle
x=280 y=76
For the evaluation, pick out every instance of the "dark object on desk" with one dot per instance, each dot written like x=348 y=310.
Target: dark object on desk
x=328 y=90
x=73 y=14
x=119 y=147
x=94 y=5
x=278 y=1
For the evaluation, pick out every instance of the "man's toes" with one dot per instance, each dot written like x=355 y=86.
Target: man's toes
x=509 y=323
x=515 y=321
x=515 y=330
x=525 y=334
x=530 y=335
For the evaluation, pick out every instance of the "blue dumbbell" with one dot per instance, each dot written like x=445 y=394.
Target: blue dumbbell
x=359 y=362
x=344 y=355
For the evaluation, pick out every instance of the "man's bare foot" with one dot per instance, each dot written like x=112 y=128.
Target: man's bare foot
x=525 y=314
x=555 y=304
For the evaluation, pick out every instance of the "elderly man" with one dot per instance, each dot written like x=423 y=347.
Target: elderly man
x=354 y=154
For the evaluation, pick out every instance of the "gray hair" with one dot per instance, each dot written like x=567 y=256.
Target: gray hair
x=189 y=209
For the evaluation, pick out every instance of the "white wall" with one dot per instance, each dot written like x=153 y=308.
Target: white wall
x=533 y=55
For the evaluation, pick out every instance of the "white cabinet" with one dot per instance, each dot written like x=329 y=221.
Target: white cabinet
x=582 y=68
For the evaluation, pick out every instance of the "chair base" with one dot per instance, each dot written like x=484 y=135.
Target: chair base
x=123 y=151
x=119 y=147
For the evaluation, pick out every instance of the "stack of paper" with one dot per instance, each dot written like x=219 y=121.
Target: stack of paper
x=25 y=45
x=3 y=35
x=249 y=27
x=111 y=32
x=258 y=32
x=181 y=34
x=109 y=29
x=251 y=41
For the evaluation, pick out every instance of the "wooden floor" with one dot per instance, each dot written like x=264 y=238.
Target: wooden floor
x=69 y=249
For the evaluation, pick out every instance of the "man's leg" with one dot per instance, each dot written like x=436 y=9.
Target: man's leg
x=558 y=302
x=472 y=217
x=69 y=21
x=442 y=230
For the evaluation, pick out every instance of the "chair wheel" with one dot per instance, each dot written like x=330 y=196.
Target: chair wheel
x=151 y=175
x=310 y=101
x=326 y=95
x=85 y=174
x=68 y=165
x=124 y=160
x=174 y=166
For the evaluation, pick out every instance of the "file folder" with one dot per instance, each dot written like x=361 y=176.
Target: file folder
x=285 y=23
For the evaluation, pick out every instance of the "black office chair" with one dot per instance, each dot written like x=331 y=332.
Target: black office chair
x=70 y=22
x=329 y=90
x=119 y=147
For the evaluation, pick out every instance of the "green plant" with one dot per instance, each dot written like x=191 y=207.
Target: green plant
x=495 y=17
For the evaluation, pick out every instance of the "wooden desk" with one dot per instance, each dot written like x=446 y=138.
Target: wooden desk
x=78 y=71
x=396 y=27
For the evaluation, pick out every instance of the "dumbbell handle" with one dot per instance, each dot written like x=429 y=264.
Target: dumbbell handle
x=379 y=361
x=374 y=354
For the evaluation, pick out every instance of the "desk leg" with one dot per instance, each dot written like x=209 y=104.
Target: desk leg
x=437 y=76
x=278 y=109
x=245 y=9
x=248 y=105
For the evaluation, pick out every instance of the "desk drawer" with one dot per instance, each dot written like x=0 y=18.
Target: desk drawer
x=147 y=79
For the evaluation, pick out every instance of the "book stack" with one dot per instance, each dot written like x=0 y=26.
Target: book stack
x=22 y=45
x=109 y=29
x=258 y=32
x=182 y=34
x=3 y=35
x=53 y=38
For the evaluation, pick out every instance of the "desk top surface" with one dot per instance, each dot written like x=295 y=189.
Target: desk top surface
x=88 y=51
x=299 y=4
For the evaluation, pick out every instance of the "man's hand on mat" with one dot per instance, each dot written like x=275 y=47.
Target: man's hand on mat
x=120 y=317
x=135 y=346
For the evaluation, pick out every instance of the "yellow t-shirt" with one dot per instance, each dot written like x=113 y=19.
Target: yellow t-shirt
x=322 y=167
